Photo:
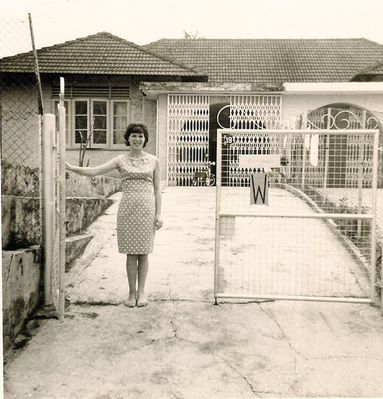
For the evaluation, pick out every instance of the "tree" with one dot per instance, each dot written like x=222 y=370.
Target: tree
x=192 y=35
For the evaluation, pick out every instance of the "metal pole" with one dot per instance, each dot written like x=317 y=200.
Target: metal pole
x=373 y=221
x=360 y=174
x=217 y=210
x=62 y=201
x=327 y=148
x=304 y=152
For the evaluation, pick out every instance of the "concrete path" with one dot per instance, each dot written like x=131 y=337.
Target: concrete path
x=181 y=345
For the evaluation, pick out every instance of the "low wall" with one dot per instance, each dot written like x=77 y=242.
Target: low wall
x=21 y=278
x=19 y=180
x=21 y=218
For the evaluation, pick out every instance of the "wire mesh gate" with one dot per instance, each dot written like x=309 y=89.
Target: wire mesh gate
x=310 y=242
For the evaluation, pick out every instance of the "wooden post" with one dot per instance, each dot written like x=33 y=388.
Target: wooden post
x=48 y=135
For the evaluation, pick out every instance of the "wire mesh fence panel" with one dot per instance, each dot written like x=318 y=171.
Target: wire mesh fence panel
x=314 y=234
x=20 y=141
x=19 y=101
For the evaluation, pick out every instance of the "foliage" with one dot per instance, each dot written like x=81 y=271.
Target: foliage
x=192 y=35
x=85 y=144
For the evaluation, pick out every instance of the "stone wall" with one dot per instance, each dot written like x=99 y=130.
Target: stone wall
x=21 y=279
x=21 y=218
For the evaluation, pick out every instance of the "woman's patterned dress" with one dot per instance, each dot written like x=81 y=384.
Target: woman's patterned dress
x=135 y=216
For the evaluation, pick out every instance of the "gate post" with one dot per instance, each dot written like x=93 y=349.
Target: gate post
x=61 y=201
x=374 y=294
x=48 y=189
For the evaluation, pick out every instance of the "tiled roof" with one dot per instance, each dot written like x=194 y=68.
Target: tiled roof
x=374 y=69
x=102 y=53
x=272 y=60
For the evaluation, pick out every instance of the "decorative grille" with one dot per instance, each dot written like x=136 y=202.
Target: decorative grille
x=255 y=111
x=356 y=163
x=188 y=140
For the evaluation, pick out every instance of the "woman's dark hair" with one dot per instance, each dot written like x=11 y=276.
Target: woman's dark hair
x=136 y=128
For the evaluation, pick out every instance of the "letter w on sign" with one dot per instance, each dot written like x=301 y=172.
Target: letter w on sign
x=259 y=189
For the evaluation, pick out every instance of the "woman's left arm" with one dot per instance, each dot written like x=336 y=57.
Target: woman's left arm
x=158 y=222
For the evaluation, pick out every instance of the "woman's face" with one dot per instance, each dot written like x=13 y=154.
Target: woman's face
x=136 y=140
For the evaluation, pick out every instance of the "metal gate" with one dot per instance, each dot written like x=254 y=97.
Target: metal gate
x=314 y=240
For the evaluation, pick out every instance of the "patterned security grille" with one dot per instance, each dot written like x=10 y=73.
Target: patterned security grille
x=255 y=112
x=188 y=140
x=188 y=129
x=356 y=164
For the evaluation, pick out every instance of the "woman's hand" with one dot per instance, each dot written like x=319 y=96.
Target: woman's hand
x=158 y=222
x=68 y=166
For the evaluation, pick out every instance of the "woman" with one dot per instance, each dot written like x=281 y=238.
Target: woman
x=139 y=211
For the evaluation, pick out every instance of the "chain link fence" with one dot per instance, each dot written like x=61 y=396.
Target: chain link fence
x=20 y=139
x=19 y=107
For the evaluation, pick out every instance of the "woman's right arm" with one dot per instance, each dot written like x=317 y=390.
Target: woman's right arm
x=95 y=170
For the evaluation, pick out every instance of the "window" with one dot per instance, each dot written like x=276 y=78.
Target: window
x=99 y=122
x=120 y=121
x=98 y=129
x=81 y=121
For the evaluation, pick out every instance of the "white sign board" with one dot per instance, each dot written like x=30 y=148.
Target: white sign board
x=266 y=161
x=259 y=189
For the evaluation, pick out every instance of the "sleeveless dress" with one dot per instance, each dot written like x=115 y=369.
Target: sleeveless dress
x=136 y=211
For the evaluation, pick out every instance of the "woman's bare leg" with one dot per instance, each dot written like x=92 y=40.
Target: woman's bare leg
x=131 y=271
x=143 y=266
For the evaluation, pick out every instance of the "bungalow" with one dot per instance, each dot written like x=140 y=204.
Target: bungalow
x=184 y=89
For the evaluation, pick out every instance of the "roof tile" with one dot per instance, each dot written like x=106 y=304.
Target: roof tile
x=272 y=60
x=102 y=53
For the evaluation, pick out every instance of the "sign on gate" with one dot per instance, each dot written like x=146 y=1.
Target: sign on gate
x=259 y=193
x=265 y=162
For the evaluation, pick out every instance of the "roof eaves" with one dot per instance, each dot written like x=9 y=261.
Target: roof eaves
x=43 y=50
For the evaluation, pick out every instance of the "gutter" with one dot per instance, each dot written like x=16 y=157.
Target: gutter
x=333 y=87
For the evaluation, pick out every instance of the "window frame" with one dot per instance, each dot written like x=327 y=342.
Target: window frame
x=91 y=118
x=73 y=120
x=70 y=119
x=127 y=101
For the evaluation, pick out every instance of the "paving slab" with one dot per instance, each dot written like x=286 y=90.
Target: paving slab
x=182 y=345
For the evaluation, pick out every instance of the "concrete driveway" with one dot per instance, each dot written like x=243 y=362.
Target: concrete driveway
x=181 y=345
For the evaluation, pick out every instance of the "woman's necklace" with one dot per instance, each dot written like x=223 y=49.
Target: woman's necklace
x=136 y=158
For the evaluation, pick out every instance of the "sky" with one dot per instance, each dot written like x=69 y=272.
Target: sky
x=144 y=21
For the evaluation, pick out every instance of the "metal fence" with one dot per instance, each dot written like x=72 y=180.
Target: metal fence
x=19 y=102
x=313 y=236
x=20 y=143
